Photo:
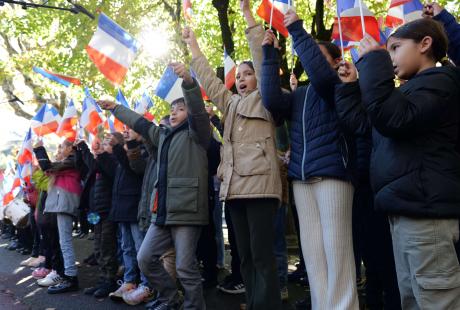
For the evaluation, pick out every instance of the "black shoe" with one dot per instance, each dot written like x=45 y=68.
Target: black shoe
x=12 y=246
x=82 y=235
x=25 y=252
x=91 y=290
x=20 y=249
x=227 y=279
x=68 y=284
x=86 y=260
x=105 y=289
x=233 y=287
x=302 y=304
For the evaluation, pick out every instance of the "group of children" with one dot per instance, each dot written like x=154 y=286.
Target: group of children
x=355 y=146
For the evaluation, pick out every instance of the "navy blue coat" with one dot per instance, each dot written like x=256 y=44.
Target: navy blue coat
x=415 y=163
x=319 y=148
x=453 y=33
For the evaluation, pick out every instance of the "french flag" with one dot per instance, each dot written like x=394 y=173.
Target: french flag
x=8 y=197
x=398 y=2
x=203 y=92
x=169 y=87
x=229 y=71
x=273 y=11
x=90 y=118
x=69 y=121
x=25 y=172
x=26 y=153
x=109 y=124
x=58 y=78
x=350 y=20
x=120 y=99
x=46 y=120
x=143 y=106
x=404 y=13
x=112 y=49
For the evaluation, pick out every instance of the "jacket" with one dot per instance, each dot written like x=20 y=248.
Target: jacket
x=319 y=146
x=181 y=188
x=249 y=165
x=453 y=33
x=64 y=188
x=415 y=163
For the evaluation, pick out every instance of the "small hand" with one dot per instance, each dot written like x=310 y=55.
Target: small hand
x=367 y=45
x=290 y=17
x=270 y=39
x=245 y=5
x=293 y=82
x=182 y=72
x=106 y=104
x=347 y=72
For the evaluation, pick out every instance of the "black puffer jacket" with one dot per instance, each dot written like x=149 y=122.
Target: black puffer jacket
x=415 y=165
x=97 y=185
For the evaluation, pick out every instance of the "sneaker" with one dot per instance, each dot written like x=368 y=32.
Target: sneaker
x=26 y=262
x=37 y=262
x=159 y=306
x=227 y=279
x=105 y=289
x=51 y=279
x=124 y=288
x=233 y=287
x=92 y=289
x=68 y=284
x=140 y=294
x=40 y=273
x=284 y=294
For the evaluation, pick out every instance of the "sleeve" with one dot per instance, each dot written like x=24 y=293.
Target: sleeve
x=255 y=37
x=137 y=162
x=351 y=112
x=215 y=120
x=121 y=156
x=42 y=158
x=393 y=113
x=107 y=165
x=277 y=102
x=138 y=123
x=198 y=118
x=453 y=33
x=85 y=154
x=320 y=73
x=214 y=87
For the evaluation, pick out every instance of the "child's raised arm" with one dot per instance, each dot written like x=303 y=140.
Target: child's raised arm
x=254 y=35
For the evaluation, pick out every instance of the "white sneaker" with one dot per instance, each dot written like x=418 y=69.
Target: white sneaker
x=139 y=295
x=51 y=279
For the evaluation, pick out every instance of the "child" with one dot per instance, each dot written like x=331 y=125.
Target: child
x=249 y=169
x=63 y=199
x=415 y=166
x=318 y=165
x=180 y=195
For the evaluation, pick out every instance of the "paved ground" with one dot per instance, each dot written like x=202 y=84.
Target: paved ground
x=19 y=291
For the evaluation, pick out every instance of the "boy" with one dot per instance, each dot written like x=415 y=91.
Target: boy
x=181 y=202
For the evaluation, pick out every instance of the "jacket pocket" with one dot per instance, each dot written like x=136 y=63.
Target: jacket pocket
x=182 y=195
x=250 y=159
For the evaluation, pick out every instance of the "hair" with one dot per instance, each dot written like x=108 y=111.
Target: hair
x=247 y=63
x=165 y=119
x=177 y=101
x=332 y=49
x=119 y=137
x=67 y=143
x=426 y=27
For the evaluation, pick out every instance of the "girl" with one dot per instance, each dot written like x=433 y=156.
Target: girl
x=249 y=168
x=415 y=165
x=318 y=166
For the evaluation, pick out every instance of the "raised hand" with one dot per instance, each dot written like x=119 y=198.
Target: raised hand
x=367 y=44
x=293 y=82
x=38 y=143
x=347 y=72
x=106 y=104
x=431 y=9
x=182 y=72
x=290 y=17
x=245 y=5
x=270 y=39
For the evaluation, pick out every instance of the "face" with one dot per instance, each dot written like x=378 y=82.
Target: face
x=106 y=145
x=334 y=63
x=245 y=80
x=178 y=114
x=65 y=150
x=408 y=57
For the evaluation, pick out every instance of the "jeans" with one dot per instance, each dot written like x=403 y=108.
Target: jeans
x=65 y=226
x=131 y=240
x=219 y=232
x=280 y=247
x=183 y=239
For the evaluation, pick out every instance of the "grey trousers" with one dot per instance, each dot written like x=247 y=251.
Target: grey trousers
x=183 y=239
x=65 y=226
x=426 y=262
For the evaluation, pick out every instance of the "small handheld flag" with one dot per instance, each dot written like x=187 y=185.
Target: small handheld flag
x=169 y=87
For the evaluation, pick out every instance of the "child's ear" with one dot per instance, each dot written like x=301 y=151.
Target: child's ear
x=425 y=44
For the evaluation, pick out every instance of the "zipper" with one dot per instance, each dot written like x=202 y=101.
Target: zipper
x=303 y=133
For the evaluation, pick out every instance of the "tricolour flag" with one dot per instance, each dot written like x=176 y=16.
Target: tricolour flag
x=351 y=23
x=404 y=13
x=187 y=8
x=120 y=99
x=229 y=71
x=46 y=120
x=112 y=49
x=58 y=78
x=25 y=172
x=26 y=153
x=272 y=14
x=143 y=106
x=203 y=92
x=69 y=120
x=169 y=87
x=398 y=2
x=90 y=118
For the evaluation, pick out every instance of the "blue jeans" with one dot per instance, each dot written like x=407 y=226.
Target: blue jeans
x=280 y=247
x=131 y=240
x=65 y=226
